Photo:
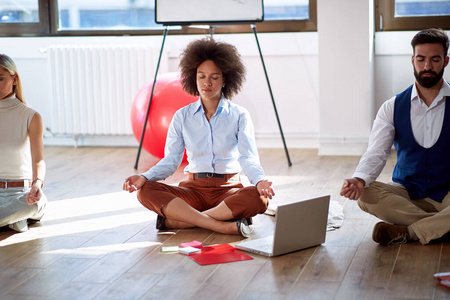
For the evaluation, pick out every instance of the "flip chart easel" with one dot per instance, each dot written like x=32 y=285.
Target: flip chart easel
x=252 y=25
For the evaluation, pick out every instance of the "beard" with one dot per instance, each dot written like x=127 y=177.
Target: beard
x=428 y=81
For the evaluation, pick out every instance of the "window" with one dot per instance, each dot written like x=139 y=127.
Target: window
x=421 y=8
x=106 y=15
x=412 y=14
x=23 y=17
x=20 y=11
x=132 y=17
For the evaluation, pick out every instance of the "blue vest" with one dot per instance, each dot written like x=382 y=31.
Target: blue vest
x=423 y=172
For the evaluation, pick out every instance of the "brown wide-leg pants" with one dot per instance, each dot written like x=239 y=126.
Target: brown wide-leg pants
x=205 y=193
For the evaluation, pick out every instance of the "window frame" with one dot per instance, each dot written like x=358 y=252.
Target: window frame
x=48 y=26
x=385 y=19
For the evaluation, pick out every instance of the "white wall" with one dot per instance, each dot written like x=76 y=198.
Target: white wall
x=345 y=74
x=327 y=84
x=291 y=62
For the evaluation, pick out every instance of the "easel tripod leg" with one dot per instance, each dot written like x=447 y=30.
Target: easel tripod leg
x=150 y=100
x=271 y=95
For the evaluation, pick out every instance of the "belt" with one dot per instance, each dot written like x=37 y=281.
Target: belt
x=208 y=175
x=193 y=176
x=18 y=183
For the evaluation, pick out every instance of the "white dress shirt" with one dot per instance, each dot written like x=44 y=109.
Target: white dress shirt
x=426 y=125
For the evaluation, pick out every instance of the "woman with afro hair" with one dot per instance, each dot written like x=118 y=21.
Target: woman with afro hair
x=219 y=140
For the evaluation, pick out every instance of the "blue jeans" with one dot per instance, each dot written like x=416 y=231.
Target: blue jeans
x=14 y=206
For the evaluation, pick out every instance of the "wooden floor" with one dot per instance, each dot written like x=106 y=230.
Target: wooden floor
x=98 y=242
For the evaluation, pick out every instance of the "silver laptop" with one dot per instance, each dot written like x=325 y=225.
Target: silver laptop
x=298 y=225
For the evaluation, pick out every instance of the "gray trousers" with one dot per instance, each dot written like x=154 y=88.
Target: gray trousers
x=14 y=206
x=390 y=202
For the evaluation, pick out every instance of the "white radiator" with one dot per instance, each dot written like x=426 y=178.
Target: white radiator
x=93 y=86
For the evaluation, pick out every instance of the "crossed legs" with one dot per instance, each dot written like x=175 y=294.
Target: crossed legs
x=179 y=214
x=390 y=202
x=192 y=205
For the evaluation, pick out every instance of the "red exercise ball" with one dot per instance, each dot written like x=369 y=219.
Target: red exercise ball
x=168 y=97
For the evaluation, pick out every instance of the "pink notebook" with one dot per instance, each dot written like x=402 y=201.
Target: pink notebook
x=218 y=254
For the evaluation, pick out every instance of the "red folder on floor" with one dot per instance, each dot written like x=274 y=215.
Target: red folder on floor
x=218 y=254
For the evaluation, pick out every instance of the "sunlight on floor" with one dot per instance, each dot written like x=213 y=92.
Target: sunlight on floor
x=101 y=250
x=86 y=216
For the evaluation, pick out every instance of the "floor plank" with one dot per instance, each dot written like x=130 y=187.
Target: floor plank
x=412 y=276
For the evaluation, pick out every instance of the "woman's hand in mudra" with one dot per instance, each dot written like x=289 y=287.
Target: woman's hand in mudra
x=134 y=183
x=265 y=189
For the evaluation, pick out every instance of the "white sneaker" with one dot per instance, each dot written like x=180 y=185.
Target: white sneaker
x=243 y=228
x=19 y=226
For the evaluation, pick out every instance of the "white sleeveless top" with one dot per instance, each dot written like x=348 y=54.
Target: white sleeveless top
x=15 y=153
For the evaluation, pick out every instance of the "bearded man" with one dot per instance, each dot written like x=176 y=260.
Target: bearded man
x=416 y=205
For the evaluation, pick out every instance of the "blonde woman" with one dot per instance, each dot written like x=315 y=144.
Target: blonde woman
x=22 y=165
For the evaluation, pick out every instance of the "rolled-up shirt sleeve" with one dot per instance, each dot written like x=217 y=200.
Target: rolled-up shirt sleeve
x=380 y=144
x=248 y=152
x=173 y=152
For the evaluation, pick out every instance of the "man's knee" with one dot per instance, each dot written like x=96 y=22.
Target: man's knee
x=371 y=194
